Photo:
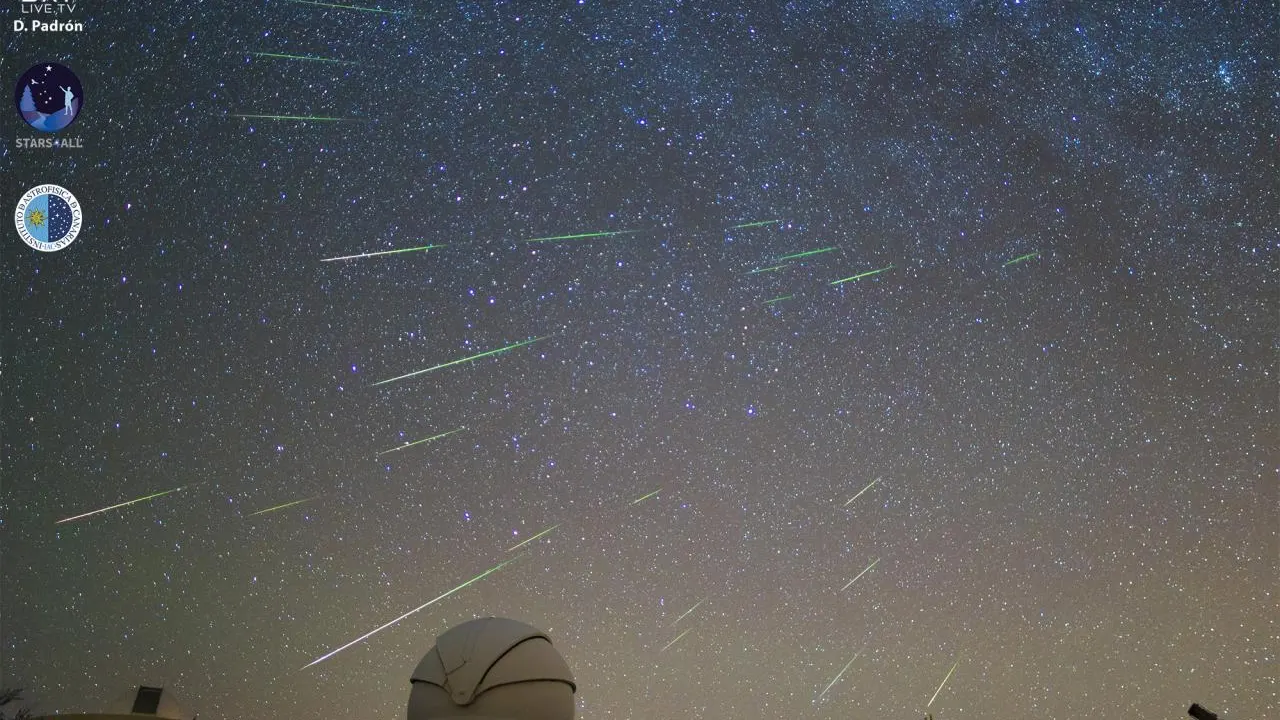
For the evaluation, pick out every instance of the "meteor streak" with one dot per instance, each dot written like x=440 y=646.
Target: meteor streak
x=807 y=253
x=864 y=572
x=433 y=601
x=284 y=56
x=419 y=442
x=842 y=672
x=469 y=358
x=383 y=252
x=862 y=275
x=686 y=612
x=778 y=299
x=944 y=683
x=773 y=268
x=349 y=7
x=646 y=497
x=535 y=537
x=673 y=642
x=758 y=223
x=118 y=505
x=281 y=507
x=298 y=117
x=1022 y=258
x=868 y=487
x=581 y=236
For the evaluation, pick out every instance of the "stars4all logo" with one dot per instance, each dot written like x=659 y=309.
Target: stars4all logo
x=48 y=218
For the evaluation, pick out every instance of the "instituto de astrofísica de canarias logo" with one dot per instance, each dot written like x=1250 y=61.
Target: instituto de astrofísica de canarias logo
x=48 y=218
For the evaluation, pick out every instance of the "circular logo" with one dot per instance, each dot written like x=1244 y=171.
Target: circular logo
x=48 y=218
x=48 y=97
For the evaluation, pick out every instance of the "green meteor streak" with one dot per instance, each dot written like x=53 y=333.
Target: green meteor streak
x=673 y=642
x=686 y=612
x=864 y=572
x=1022 y=258
x=758 y=223
x=281 y=507
x=646 y=497
x=419 y=442
x=581 y=236
x=862 y=275
x=868 y=487
x=775 y=268
x=944 y=683
x=433 y=601
x=807 y=253
x=778 y=299
x=284 y=56
x=349 y=7
x=451 y=363
x=842 y=672
x=298 y=117
x=535 y=537
x=117 y=506
x=422 y=248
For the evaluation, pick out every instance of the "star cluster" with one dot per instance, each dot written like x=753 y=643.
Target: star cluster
x=1068 y=461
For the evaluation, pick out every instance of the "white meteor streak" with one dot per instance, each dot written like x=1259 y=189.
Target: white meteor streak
x=855 y=497
x=864 y=572
x=433 y=601
x=944 y=683
x=842 y=672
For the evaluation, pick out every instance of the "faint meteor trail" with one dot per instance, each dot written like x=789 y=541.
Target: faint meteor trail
x=646 y=497
x=433 y=601
x=868 y=487
x=806 y=253
x=298 y=117
x=862 y=275
x=1023 y=258
x=281 y=507
x=758 y=223
x=773 y=268
x=535 y=537
x=778 y=299
x=864 y=572
x=284 y=56
x=349 y=7
x=944 y=683
x=673 y=642
x=469 y=358
x=686 y=612
x=840 y=675
x=118 y=505
x=582 y=236
x=419 y=442
x=422 y=248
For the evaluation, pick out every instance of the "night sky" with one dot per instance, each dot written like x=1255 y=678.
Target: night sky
x=1069 y=461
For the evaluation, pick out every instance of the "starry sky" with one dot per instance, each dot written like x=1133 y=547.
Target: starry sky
x=1069 y=461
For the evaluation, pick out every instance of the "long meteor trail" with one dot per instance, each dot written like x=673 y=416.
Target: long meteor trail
x=868 y=487
x=771 y=268
x=349 y=7
x=862 y=275
x=673 y=642
x=864 y=572
x=117 y=506
x=420 y=248
x=281 y=507
x=419 y=442
x=535 y=537
x=1022 y=258
x=459 y=361
x=778 y=299
x=758 y=223
x=316 y=118
x=806 y=253
x=944 y=683
x=582 y=236
x=429 y=603
x=284 y=56
x=842 y=672
x=686 y=612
